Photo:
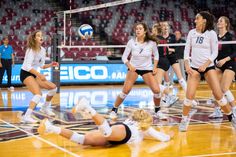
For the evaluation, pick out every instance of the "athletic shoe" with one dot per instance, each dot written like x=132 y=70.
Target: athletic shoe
x=209 y=101
x=161 y=115
x=216 y=113
x=11 y=88
x=47 y=110
x=113 y=115
x=164 y=102
x=234 y=111
x=81 y=105
x=171 y=99
x=195 y=103
x=183 y=126
x=44 y=127
x=28 y=119
x=233 y=121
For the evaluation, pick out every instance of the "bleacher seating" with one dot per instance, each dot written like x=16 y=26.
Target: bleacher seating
x=18 y=18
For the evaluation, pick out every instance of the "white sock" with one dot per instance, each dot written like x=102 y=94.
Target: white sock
x=77 y=138
x=53 y=128
x=184 y=117
x=91 y=111
x=158 y=135
x=183 y=84
x=56 y=129
x=28 y=112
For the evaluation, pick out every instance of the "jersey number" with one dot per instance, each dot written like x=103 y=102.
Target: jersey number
x=199 y=40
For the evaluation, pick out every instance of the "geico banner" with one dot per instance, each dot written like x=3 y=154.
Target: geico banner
x=99 y=98
x=81 y=73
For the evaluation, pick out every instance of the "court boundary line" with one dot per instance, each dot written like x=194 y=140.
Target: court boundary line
x=195 y=120
x=41 y=139
x=229 y=127
x=218 y=154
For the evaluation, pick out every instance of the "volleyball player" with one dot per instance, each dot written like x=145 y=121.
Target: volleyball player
x=226 y=65
x=141 y=49
x=163 y=64
x=132 y=130
x=171 y=56
x=34 y=81
x=170 y=38
x=202 y=42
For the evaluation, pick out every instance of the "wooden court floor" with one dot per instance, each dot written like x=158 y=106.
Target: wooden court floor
x=205 y=137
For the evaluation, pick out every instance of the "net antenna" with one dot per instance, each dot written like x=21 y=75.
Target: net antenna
x=100 y=6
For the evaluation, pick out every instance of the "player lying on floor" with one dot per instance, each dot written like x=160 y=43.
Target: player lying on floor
x=132 y=130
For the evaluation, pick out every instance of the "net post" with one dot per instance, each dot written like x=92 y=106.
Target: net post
x=56 y=57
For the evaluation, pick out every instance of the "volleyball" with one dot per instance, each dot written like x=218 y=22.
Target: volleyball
x=85 y=31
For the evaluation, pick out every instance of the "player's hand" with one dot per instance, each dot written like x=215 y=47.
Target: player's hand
x=154 y=71
x=0 y=65
x=131 y=68
x=189 y=70
x=202 y=68
x=220 y=63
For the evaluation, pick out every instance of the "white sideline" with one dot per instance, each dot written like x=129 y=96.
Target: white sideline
x=41 y=139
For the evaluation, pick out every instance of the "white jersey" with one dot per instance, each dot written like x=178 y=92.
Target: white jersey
x=34 y=59
x=201 y=47
x=138 y=135
x=141 y=54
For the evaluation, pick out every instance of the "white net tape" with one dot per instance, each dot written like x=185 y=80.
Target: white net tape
x=122 y=46
x=100 y=6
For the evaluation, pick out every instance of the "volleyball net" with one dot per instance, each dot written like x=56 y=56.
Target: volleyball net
x=112 y=23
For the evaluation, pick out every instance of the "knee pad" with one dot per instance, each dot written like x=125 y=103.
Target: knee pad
x=222 y=101
x=105 y=129
x=77 y=138
x=36 y=99
x=122 y=95
x=229 y=96
x=52 y=92
x=162 y=88
x=157 y=96
x=188 y=102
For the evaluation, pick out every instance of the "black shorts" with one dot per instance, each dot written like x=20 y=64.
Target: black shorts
x=172 y=58
x=230 y=65
x=24 y=74
x=163 y=63
x=127 y=137
x=142 y=72
x=203 y=73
